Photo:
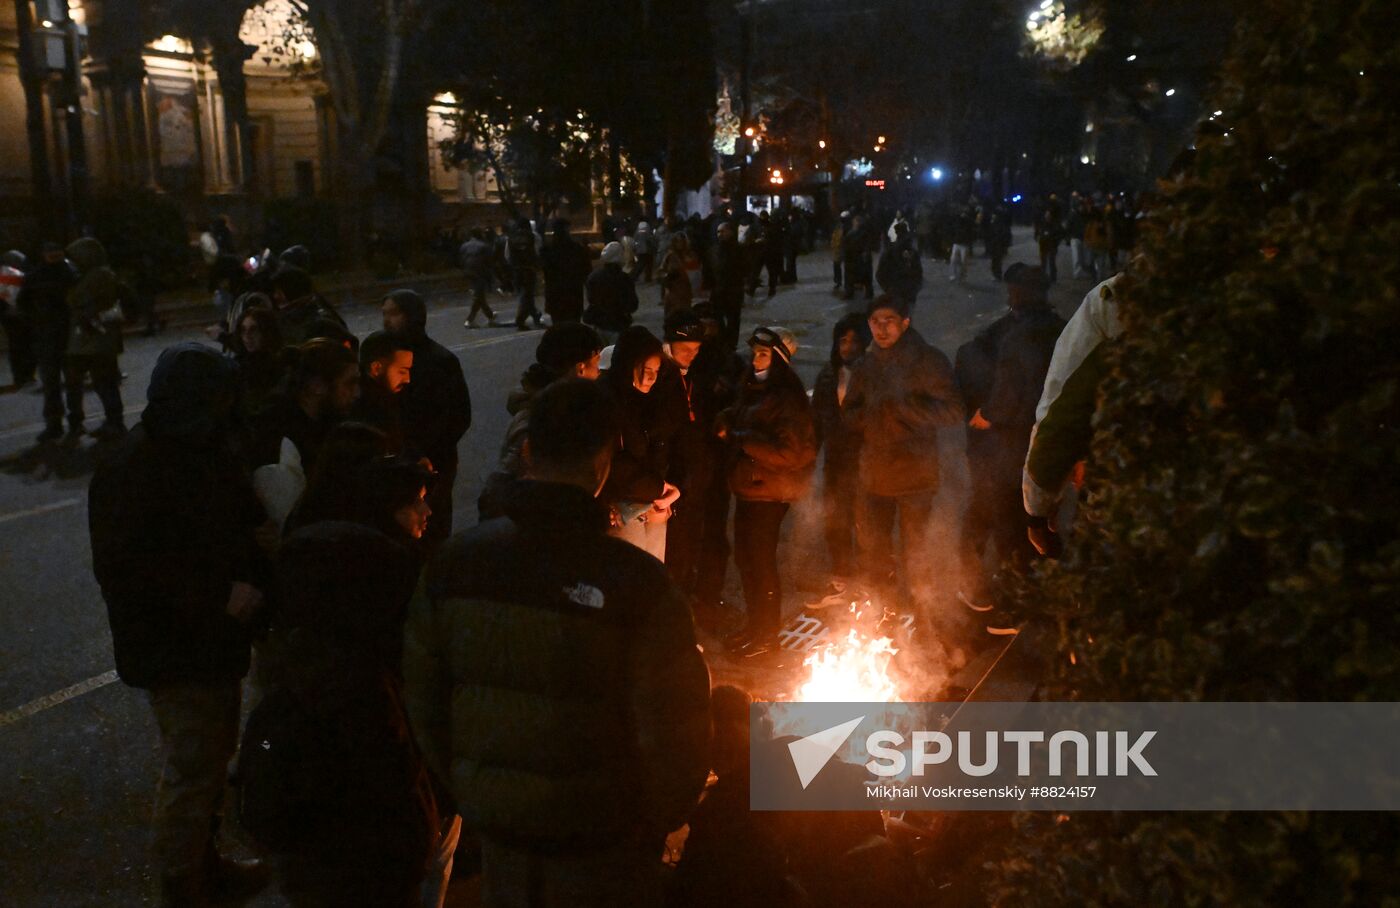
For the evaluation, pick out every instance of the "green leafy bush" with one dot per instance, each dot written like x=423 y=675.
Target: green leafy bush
x=1239 y=540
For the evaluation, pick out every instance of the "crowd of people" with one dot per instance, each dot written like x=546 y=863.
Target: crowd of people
x=282 y=515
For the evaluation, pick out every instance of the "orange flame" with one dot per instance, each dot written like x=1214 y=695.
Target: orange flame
x=854 y=670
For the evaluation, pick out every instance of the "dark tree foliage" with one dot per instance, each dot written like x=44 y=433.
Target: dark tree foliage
x=642 y=69
x=1240 y=536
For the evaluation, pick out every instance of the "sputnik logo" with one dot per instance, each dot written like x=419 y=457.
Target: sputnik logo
x=813 y=752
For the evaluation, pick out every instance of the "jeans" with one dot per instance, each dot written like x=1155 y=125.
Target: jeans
x=957 y=262
x=875 y=521
x=756 y=528
x=106 y=381
x=1079 y=257
x=198 y=735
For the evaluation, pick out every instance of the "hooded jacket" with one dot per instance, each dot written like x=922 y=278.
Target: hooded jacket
x=95 y=292
x=612 y=298
x=564 y=698
x=171 y=517
x=897 y=401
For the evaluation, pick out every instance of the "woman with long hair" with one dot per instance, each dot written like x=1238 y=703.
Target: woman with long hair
x=772 y=452
x=637 y=489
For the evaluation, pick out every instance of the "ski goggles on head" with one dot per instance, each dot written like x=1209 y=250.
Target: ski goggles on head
x=767 y=337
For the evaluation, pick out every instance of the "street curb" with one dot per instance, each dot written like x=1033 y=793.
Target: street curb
x=186 y=313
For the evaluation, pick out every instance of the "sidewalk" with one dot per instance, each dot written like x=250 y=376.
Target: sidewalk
x=191 y=306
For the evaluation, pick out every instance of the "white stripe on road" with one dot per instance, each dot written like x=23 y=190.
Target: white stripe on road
x=491 y=341
x=41 y=509
x=59 y=696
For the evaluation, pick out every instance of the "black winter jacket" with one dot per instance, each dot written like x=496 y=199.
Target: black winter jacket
x=343 y=591
x=612 y=298
x=563 y=697
x=566 y=265
x=43 y=301
x=435 y=407
x=172 y=528
x=648 y=424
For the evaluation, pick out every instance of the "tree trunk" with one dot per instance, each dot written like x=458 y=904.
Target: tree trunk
x=356 y=166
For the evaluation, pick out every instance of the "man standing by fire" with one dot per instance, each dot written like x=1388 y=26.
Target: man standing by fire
x=901 y=393
x=563 y=699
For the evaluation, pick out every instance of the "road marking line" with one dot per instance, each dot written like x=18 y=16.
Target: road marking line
x=472 y=345
x=57 y=697
x=41 y=509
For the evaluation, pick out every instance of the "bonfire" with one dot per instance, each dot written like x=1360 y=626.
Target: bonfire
x=855 y=668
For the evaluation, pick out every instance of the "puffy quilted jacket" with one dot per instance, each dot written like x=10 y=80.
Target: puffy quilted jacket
x=563 y=697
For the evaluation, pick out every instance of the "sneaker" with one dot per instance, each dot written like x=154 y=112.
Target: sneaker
x=836 y=593
x=491 y=319
x=470 y=324
x=973 y=603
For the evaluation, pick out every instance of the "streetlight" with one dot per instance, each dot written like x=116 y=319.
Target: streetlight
x=1170 y=92
x=1132 y=57
x=880 y=140
x=748 y=132
x=936 y=173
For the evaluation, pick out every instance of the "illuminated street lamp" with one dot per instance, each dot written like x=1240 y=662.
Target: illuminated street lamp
x=821 y=143
x=936 y=173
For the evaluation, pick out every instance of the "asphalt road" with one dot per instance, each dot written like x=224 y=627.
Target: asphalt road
x=78 y=750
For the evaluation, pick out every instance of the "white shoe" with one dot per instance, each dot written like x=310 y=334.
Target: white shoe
x=469 y=323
